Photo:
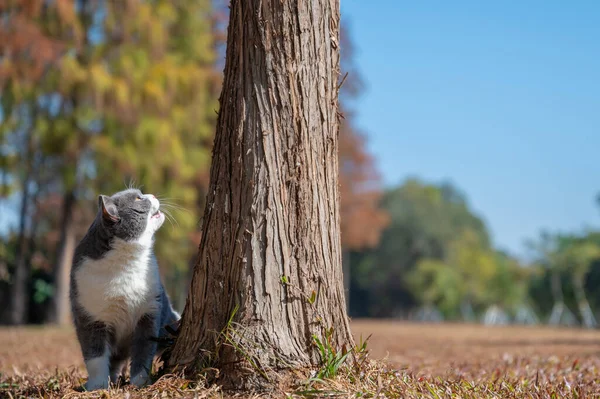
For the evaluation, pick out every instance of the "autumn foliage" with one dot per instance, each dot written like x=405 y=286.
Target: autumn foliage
x=97 y=95
x=362 y=218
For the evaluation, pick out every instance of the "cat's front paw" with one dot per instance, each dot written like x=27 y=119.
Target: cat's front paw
x=94 y=384
x=141 y=380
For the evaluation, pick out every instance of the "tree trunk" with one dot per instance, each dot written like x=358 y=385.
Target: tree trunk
x=559 y=310
x=269 y=270
x=556 y=284
x=19 y=297
x=585 y=311
x=20 y=280
x=559 y=303
x=60 y=313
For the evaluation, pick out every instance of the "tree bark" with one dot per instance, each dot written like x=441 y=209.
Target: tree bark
x=60 y=313
x=269 y=270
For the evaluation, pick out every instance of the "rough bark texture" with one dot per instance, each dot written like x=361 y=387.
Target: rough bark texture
x=271 y=234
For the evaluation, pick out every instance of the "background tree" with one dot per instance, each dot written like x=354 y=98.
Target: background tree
x=27 y=49
x=268 y=275
x=129 y=93
x=508 y=285
x=424 y=221
x=550 y=256
x=472 y=276
x=578 y=257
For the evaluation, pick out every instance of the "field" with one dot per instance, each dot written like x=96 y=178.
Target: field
x=421 y=361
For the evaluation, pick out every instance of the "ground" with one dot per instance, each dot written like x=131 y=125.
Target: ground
x=419 y=360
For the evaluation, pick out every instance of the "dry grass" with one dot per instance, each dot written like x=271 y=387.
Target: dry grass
x=420 y=361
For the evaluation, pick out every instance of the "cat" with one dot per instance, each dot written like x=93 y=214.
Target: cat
x=120 y=308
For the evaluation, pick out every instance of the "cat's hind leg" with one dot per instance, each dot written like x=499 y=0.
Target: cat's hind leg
x=118 y=361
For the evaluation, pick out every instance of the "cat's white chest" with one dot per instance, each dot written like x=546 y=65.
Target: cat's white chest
x=119 y=288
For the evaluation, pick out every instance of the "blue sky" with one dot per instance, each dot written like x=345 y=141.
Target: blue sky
x=501 y=98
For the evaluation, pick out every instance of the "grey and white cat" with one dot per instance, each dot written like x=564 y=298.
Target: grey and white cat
x=118 y=301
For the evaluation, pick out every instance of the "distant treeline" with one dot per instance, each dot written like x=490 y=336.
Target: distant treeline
x=436 y=254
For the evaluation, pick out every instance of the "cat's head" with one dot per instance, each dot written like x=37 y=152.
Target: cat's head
x=130 y=215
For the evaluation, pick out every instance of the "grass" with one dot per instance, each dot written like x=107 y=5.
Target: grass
x=526 y=378
x=419 y=361
x=331 y=359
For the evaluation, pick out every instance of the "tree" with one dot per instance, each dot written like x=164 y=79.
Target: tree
x=548 y=250
x=425 y=219
x=115 y=91
x=508 y=286
x=437 y=284
x=27 y=51
x=40 y=36
x=570 y=262
x=463 y=279
x=577 y=258
x=268 y=275
x=22 y=270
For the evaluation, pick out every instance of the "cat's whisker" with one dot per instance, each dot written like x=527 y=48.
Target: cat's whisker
x=170 y=201
x=168 y=198
x=170 y=218
x=174 y=207
x=174 y=220
x=170 y=221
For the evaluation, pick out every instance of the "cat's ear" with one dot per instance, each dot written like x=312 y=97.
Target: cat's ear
x=109 y=210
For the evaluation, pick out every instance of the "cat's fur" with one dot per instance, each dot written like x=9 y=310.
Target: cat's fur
x=118 y=301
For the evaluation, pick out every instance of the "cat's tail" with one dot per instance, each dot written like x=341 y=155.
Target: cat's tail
x=169 y=328
x=169 y=319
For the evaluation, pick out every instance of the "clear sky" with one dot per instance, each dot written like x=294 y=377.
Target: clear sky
x=501 y=98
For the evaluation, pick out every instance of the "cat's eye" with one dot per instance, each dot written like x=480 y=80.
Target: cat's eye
x=138 y=198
